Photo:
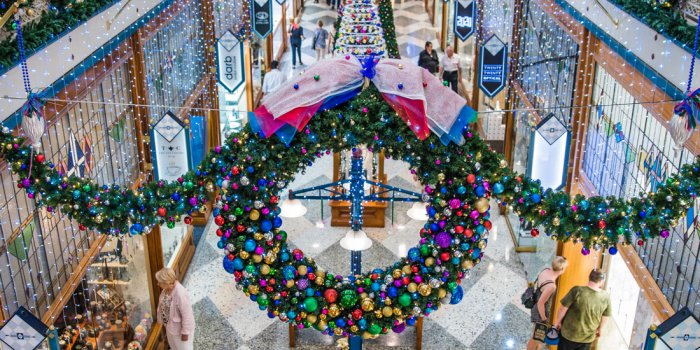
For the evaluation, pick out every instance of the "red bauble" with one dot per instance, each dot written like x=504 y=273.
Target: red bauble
x=82 y=227
x=219 y=220
x=534 y=232
x=414 y=269
x=283 y=294
x=459 y=229
x=274 y=199
x=231 y=256
x=235 y=170
x=40 y=158
x=188 y=220
x=240 y=228
x=601 y=224
x=330 y=295
x=468 y=233
x=471 y=178
x=405 y=281
x=357 y=314
x=488 y=224
x=162 y=211
x=219 y=232
x=444 y=256
x=311 y=276
x=640 y=242
x=268 y=289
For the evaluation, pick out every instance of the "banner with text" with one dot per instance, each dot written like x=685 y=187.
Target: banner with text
x=493 y=64
x=229 y=54
x=170 y=147
x=465 y=14
x=262 y=17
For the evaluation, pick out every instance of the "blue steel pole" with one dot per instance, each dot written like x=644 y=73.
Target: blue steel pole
x=357 y=192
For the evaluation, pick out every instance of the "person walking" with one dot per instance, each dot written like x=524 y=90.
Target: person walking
x=449 y=69
x=320 y=43
x=428 y=58
x=545 y=289
x=583 y=314
x=273 y=79
x=175 y=311
x=296 y=36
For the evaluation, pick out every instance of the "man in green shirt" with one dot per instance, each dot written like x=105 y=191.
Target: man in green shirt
x=583 y=313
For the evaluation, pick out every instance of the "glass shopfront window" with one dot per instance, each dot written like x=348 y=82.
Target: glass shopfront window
x=629 y=151
x=41 y=248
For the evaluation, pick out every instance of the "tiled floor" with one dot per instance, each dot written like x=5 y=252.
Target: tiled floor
x=489 y=317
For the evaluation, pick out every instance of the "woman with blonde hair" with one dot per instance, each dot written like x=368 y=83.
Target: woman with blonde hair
x=545 y=289
x=175 y=310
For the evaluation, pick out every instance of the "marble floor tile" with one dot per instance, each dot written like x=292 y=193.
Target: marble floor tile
x=510 y=329
x=211 y=332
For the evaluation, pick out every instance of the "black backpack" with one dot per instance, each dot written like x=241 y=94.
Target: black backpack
x=532 y=295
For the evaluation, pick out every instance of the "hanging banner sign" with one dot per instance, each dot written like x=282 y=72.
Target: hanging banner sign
x=229 y=54
x=262 y=17
x=170 y=147
x=465 y=14
x=281 y=2
x=493 y=65
x=23 y=331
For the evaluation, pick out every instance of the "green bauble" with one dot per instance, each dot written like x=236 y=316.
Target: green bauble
x=348 y=298
x=405 y=299
x=310 y=304
x=424 y=250
x=375 y=329
x=171 y=224
x=263 y=301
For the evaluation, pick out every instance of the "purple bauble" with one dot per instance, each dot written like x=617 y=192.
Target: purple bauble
x=302 y=284
x=399 y=327
x=455 y=203
x=443 y=239
x=665 y=233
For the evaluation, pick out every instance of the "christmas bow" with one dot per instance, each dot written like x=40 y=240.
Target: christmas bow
x=690 y=109
x=417 y=96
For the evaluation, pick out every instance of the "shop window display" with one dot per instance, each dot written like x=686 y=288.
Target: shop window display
x=41 y=248
x=629 y=151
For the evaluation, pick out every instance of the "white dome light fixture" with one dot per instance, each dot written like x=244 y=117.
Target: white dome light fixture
x=418 y=212
x=356 y=241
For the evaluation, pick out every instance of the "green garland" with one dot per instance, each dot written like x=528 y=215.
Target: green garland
x=664 y=18
x=53 y=22
x=251 y=171
x=386 y=16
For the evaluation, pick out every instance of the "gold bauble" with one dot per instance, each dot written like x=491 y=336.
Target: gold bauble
x=378 y=314
x=503 y=163
x=338 y=331
x=397 y=311
x=387 y=311
x=387 y=301
x=412 y=287
x=441 y=177
x=396 y=274
x=482 y=205
x=276 y=249
x=311 y=318
x=363 y=295
x=244 y=255
x=290 y=283
x=319 y=280
x=265 y=269
x=202 y=210
x=322 y=317
x=354 y=328
x=322 y=325
x=333 y=310
x=442 y=293
x=467 y=264
x=367 y=304
x=302 y=314
x=556 y=221
x=254 y=215
x=270 y=258
x=481 y=244
x=253 y=289
x=257 y=258
x=424 y=289
x=406 y=270
x=258 y=236
x=302 y=269
x=429 y=261
x=321 y=273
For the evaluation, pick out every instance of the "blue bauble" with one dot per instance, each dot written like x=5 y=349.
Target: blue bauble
x=612 y=250
x=583 y=204
x=376 y=286
x=266 y=225
x=289 y=272
x=250 y=169
x=392 y=292
x=340 y=323
x=291 y=314
x=238 y=264
x=431 y=211
x=480 y=229
x=411 y=321
x=434 y=227
x=480 y=191
x=249 y=245
x=535 y=198
x=310 y=292
x=462 y=190
x=262 y=183
x=457 y=295
x=136 y=229
x=284 y=256
x=220 y=244
x=498 y=188
x=276 y=222
x=414 y=254
x=475 y=253
x=362 y=323
x=175 y=197
x=76 y=194
x=228 y=265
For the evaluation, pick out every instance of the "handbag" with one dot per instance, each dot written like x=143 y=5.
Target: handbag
x=313 y=43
